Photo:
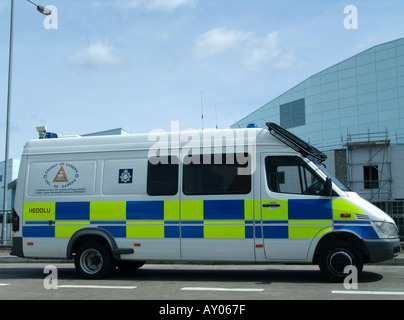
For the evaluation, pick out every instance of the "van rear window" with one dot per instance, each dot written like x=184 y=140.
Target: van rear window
x=218 y=175
x=162 y=176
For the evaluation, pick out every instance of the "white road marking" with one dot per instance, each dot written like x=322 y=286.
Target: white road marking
x=390 y=293
x=222 y=289
x=4 y=284
x=95 y=287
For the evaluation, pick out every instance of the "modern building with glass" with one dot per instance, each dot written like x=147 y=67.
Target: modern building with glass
x=353 y=111
x=360 y=95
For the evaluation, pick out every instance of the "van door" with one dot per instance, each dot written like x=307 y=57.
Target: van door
x=216 y=209
x=293 y=208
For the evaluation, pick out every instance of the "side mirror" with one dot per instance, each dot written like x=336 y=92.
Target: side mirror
x=328 y=187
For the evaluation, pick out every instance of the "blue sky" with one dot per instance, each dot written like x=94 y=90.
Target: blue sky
x=140 y=64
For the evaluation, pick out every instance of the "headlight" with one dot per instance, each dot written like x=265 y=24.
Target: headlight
x=388 y=228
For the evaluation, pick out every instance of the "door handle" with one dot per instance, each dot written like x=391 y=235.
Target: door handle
x=271 y=205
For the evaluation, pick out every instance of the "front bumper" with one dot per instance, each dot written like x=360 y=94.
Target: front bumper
x=382 y=249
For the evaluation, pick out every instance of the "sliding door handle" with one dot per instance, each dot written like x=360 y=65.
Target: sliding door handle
x=271 y=205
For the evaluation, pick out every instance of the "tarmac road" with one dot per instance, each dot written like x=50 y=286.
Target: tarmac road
x=195 y=283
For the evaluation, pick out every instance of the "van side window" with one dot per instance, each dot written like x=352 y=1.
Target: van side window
x=162 y=176
x=289 y=174
x=220 y=175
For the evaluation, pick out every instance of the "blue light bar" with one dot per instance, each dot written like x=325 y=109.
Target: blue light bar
x=51 y=135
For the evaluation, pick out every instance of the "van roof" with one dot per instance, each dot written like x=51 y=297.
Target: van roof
x=157 y=139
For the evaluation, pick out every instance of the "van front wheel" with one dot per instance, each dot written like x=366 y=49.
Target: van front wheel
x=94 y=261
x=336 y=256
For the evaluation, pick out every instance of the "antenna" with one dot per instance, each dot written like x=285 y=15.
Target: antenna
x=202 y=108
x=216 y=115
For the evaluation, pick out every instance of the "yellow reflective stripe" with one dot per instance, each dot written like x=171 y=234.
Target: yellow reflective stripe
x=249 y=209
x=325 y=230
x=279 y=213
x=307 y=229
x=144 y=222
x=108 y=210
x=224 y=229
x=192 y=210
x=62 y=231
x=172 y=210
x=340 y=206
x=68 y=222
x=39 y=211
x=145 y=231
x=310 y=222
x=252 y=209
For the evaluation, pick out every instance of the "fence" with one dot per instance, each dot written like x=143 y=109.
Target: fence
x=8 y=236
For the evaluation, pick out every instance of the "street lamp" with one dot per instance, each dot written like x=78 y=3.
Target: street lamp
x=41 y=9
x=44 y=11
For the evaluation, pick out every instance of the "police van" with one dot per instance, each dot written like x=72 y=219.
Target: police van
x=247 y=195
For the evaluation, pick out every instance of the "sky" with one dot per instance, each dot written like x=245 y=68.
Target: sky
x=96 y=65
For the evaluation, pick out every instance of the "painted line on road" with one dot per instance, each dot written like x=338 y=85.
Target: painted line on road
x=390 y=293
x=222 y=289
x=4 y=284
x=95 y=287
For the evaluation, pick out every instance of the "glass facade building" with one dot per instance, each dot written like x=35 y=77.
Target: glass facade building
x=360 y=95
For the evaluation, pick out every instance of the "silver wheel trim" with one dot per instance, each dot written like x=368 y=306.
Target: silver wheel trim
x=334 y=263
x=91 y=261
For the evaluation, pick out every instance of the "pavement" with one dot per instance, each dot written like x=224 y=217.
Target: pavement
x=5 y=257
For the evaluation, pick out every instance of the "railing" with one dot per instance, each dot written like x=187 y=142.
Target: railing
x=7 y=240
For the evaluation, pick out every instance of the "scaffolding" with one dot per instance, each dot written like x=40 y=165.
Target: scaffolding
x=372 y=172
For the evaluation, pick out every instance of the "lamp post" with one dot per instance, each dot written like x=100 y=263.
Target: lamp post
x=44 y=11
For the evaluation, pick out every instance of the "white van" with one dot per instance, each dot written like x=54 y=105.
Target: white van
x=238 y=195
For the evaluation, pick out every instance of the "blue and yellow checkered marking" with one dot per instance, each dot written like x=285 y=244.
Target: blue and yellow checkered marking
x=203 y=219
x=143 y=219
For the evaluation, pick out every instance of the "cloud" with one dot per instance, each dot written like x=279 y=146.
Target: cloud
x=217 y=41
x=96 y=55
x=169 y=5
x=146 y=5
x=253 y=51
x=267 y=51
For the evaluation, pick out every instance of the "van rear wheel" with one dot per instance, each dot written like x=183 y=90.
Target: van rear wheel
x=94 y=261
x=336 y=256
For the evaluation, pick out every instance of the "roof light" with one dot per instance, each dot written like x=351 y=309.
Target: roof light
x=45 y=135
x=252 y=125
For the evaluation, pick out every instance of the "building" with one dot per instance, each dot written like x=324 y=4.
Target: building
x=360 y=95
x=12 y=174
x=354 y=112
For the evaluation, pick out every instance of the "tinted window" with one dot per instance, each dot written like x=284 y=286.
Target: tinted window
x=162 y=176
x=210 y=177
x=371 y=177
x=292 y=175
x=293 y=114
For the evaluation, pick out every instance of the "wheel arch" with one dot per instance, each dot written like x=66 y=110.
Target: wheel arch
x=90 y=234
x=340 y=235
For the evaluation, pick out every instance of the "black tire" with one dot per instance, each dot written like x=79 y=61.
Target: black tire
x=129 y=265
x=94 y=261
x=337 y=255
